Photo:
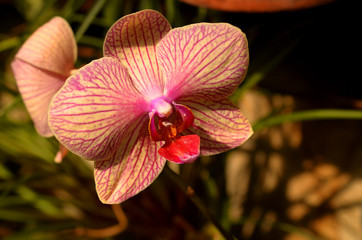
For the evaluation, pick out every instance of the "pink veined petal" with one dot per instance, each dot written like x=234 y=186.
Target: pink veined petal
x=131 y=169
x=220 y=125
x=37 y=88
x=51 y=47
x=94 y=108
x=203 y=60
x=132 y=39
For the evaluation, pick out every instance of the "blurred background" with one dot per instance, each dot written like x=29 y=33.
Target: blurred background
x=291 y=180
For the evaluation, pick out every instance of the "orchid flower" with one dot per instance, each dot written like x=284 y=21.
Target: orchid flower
x=157 y=94
x=41 y=67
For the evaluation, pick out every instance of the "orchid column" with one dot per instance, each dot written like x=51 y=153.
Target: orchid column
x=158 y=94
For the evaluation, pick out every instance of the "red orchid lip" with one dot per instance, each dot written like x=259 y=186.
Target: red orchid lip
x=177 y=148
x=184 y=149
x=168 y=128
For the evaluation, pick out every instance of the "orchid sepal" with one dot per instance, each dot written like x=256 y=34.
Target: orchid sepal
x=132 y=40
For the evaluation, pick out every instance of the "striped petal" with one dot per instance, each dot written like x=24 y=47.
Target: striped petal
x=94 y=108
x=203 y=60
x=51 y=47
x=220 y=125
x=132 y=40
x=132 y=168
x=37 y=87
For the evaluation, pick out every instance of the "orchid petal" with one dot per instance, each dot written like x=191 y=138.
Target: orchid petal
x=51 y=47
x=131 y=169
x=203 y=60
x=220 y=125
x=37 y=87
x=132 y=39
x=92 y=111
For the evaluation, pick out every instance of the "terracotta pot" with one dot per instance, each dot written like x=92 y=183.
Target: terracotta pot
x=256 y=5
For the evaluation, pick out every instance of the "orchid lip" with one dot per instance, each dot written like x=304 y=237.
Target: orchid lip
x=184 y=149
x=177 y=148
x=162 y=128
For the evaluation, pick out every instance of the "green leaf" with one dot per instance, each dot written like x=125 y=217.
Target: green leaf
x=307 y=115
x=9 y=43
x=97 y=7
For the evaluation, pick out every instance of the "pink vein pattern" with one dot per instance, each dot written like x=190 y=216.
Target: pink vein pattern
x=220 y=125
x=52 y=47
x=41 y=67
x=91 y=113
x=203 y=60
x=132 y=40
x=37 y=87
x=131 y=169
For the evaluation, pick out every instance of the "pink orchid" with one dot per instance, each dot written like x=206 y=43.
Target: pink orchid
x=41 y=67
x=157 y=95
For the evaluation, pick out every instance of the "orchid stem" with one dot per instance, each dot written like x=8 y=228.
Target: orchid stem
x=308 y=115
x=108 y=231
x=197 y=201
x=120 y=215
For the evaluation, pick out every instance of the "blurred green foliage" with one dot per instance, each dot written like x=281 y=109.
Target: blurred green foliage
x=43 y=200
